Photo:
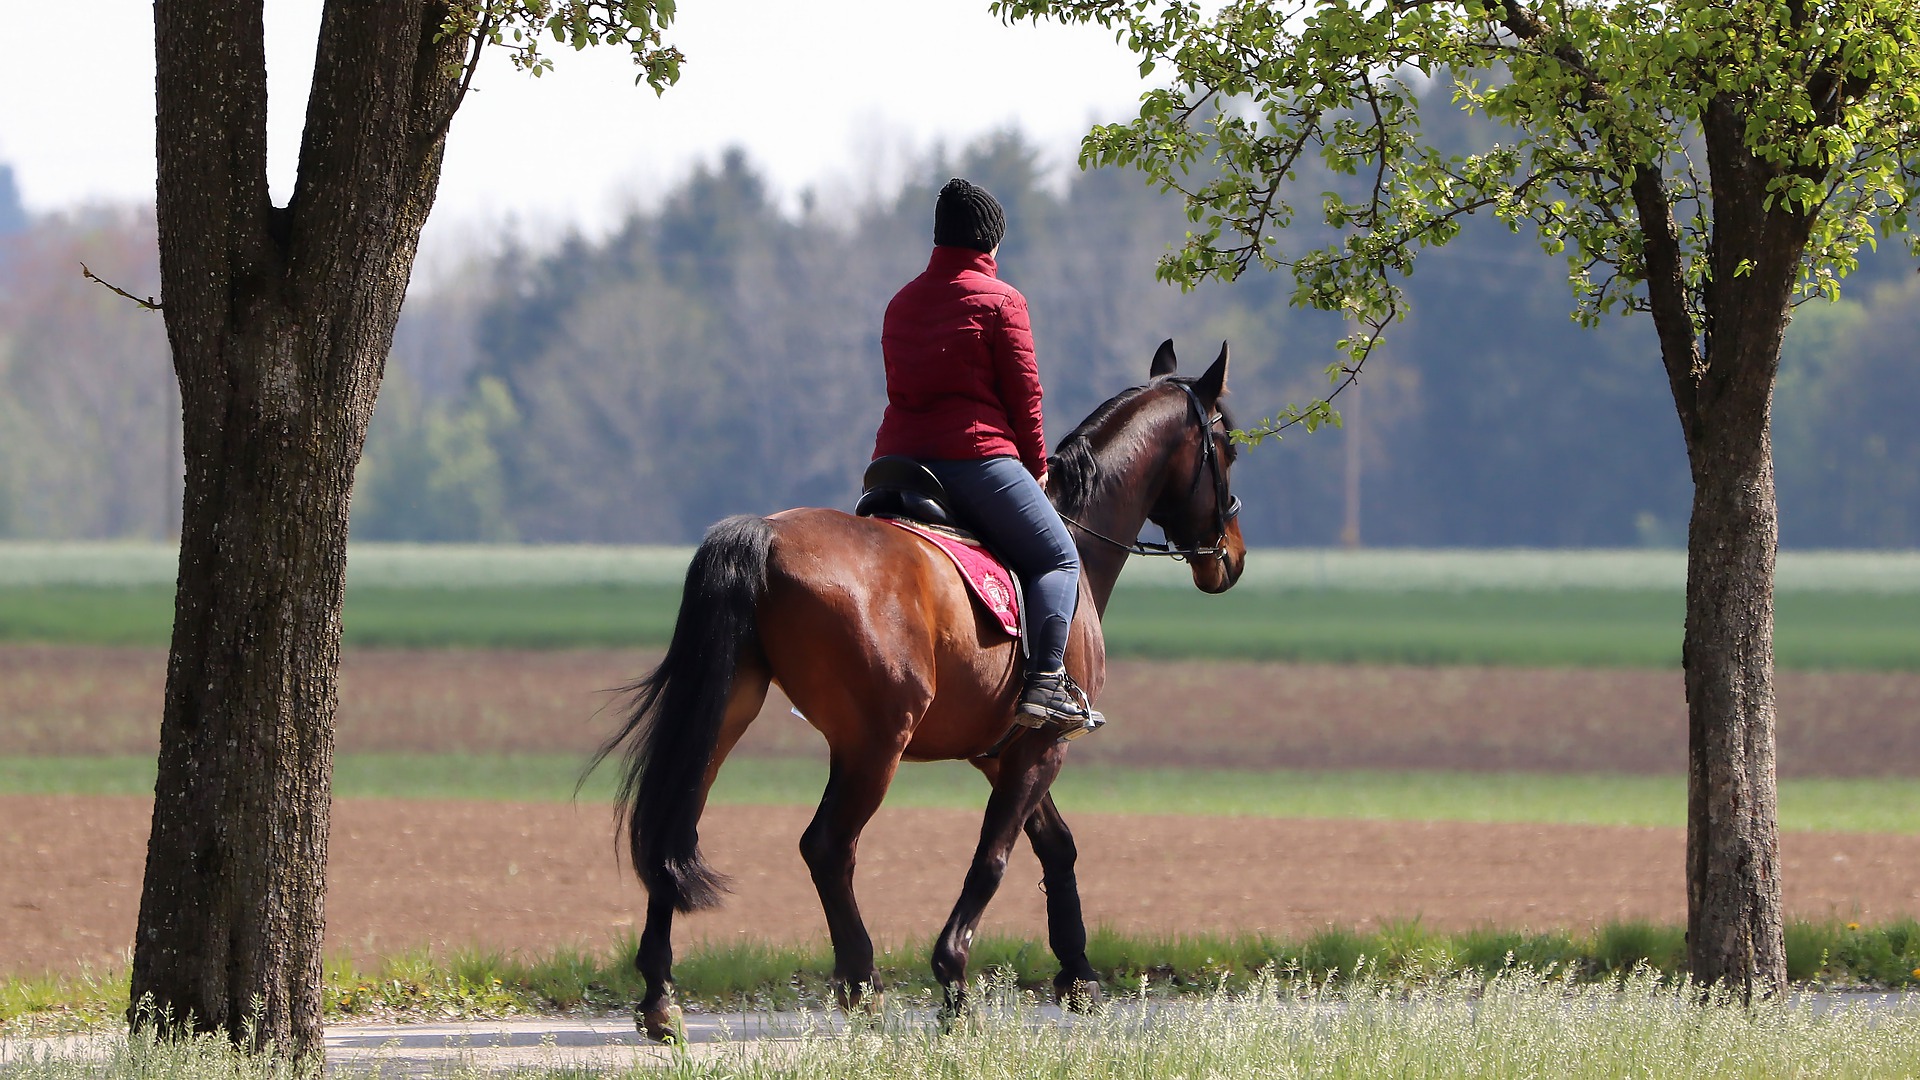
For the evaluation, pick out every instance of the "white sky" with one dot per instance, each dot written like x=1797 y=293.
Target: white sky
x=827 y=95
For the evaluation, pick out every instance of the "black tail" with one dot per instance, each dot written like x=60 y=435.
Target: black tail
x=675 y=714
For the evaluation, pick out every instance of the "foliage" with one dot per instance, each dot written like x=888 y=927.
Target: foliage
x=1606 y=104
x=521 y=26
x=435 y=474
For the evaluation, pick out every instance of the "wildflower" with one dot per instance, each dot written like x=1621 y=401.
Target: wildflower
x=1853 y=926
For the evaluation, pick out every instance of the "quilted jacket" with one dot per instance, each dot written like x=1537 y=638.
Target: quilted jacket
x=961 y=380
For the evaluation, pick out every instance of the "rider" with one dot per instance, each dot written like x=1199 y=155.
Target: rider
x=963 y=398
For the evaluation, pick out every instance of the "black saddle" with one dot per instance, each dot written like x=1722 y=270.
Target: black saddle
x=901 y=487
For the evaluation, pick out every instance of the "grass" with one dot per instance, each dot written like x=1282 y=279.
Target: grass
x=385 y=565
x=1534 y=608
x=1390 y=962
x=1554 y=628
x=1861 y=805
x=1515 y=1026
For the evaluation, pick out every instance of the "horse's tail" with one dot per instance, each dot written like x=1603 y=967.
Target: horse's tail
x=675 y=714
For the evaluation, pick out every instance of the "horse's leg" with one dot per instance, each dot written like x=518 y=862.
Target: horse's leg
x=1027 y=767
x=856 y=784
x=1076 y=986
x=656 y=1013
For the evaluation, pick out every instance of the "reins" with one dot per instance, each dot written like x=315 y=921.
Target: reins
x=1226 y=506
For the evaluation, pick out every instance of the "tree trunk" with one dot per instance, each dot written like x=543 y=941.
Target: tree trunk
x=1734 y=928
x=280 y=320
x=1723 y=392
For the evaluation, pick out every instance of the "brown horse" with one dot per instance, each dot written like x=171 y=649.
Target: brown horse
x=872 y=635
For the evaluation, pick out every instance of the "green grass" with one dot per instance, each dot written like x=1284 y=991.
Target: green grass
x=1534 y=608
x=1553 y=628
x=527 y=616
x=1583 y=627
x=1517 y=1026
x=1400 y=962
x=1862 y=805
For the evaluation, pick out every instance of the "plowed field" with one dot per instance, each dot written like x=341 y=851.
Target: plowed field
x=411 y=874
x=505 y=876
x=85 y=700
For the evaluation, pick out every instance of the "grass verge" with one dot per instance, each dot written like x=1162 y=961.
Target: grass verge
x=756 y=976
x=1889 y=805
x=1515 y=1026
x=1536 y=627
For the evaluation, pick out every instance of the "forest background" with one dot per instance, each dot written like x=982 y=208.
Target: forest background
x=718 y=352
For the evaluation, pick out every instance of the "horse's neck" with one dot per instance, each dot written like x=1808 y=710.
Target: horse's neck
x=1120 y=512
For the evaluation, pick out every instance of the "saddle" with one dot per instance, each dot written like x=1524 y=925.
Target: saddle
x=900 y=487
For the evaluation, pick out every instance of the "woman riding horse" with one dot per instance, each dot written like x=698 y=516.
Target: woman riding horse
x=876 y=640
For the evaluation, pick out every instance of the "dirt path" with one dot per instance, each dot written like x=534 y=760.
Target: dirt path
x=508 y=876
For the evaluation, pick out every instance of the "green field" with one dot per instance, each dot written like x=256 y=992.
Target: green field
x=1531 y=608
x=1881 y=806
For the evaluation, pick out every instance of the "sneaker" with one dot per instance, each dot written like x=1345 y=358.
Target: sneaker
x=1051 y=699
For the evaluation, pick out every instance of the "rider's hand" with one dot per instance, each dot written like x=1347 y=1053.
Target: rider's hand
x=1043 y=478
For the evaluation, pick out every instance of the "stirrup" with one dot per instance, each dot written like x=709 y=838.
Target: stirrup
x=1066 y=725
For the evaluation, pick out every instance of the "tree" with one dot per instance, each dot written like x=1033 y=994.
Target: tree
x=1708 y=162
x=279 y=319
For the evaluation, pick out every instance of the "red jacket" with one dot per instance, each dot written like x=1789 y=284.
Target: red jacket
x=961 y=382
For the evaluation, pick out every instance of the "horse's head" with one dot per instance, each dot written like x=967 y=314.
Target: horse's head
x=1158 y=453
x=1196 y=507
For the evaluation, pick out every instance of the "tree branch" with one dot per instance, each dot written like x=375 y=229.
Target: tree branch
x=1667 y=291
x=149 y=303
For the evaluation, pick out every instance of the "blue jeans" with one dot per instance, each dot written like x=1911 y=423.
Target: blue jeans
x=1006 y=506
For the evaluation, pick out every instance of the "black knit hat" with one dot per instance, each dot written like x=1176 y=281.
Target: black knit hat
x=967 y=216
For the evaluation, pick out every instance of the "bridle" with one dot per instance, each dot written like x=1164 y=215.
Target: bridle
x=1226 y=506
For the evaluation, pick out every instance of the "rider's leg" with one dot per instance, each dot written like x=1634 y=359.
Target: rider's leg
x=1009 y=509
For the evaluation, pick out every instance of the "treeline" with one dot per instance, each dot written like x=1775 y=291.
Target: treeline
x=718 y=354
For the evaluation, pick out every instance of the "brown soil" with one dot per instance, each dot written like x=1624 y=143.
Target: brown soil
x=530 y=877
x=73 y=700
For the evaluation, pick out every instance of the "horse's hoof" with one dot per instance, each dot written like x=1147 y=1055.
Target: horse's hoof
x=953 y=1014
x=862 y=1000
x=661 y=1023
x=1078 y=995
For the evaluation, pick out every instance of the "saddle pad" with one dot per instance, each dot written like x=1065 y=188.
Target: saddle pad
x=987 y=578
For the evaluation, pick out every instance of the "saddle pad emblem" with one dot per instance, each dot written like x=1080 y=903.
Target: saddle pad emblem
x=986 y=576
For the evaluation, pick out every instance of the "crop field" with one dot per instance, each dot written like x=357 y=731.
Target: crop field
x=1881 y=805
x=1835 y=610
x=1459 y=742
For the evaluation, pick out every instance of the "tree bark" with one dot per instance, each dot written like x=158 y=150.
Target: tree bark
x=280 y=320
x=1734 y=923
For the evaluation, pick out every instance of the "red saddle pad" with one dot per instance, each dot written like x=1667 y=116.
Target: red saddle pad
x=987 y=578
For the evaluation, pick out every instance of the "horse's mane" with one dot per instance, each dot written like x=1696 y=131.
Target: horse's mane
x=1074 y=471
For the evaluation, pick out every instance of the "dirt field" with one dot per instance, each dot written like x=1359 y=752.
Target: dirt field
x=502 y=876
x=70 y=700
x=413 y=874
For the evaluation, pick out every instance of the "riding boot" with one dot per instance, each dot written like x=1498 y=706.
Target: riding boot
x=1051 y=699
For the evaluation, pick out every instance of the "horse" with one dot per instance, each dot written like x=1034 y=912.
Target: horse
x=874 y=638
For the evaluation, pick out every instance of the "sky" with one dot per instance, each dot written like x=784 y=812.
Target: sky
x=828 y=96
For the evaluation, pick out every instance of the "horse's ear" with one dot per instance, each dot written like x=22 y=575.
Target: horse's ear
x=1163 y=361
x=1211 y=385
